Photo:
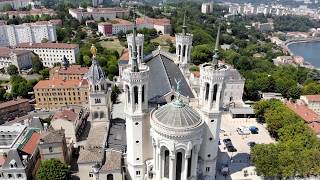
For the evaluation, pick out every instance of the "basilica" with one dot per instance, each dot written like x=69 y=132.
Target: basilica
x=172 y=116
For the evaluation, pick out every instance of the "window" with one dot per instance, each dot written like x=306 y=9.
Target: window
x=19 y=175
x=137 y=159
x=209 y=155
x=210 y=138
x=207 y=169
x=137 y=142
x=207 y=91
x=136 y=123
x=97 y=101
x=90 y=175
x=138 y=173
x=50 y=149
x=143 y=93
x=215 y=90
x=9 y=176
x=212 y=120
x=135 y=90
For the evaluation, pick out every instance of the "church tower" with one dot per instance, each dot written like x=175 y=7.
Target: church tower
x=135 y=84
x=183 y=48
x=212 y=77
x=139 y=40
x=98 y=95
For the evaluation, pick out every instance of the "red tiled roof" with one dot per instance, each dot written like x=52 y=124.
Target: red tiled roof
x=73 y=69
x=313 y=97
x=48 y=45
x=60 y=83
x=65 y=114
x=304 y=112
x=162 y=21
x=12 y=103
x=32 y=144
x=5 y=52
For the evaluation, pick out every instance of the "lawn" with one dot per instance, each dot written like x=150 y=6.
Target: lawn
x=115 y=45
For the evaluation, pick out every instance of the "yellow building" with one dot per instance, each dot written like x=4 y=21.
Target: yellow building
x=56 y=93
x=70 y=72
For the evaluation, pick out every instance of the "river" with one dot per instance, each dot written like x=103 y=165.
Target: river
x=310 y=51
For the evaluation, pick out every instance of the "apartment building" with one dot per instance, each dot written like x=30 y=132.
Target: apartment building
x=52 y=53
x=98 y=13
x=22 y=59
x=68 y=73
x=11 y=35
x=57 y=93
x=17 y=4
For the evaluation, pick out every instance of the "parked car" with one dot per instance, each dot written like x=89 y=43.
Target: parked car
x=231 y=148
x=227 y=141
x=254 y=129
x=243 y=130
x=251 y=144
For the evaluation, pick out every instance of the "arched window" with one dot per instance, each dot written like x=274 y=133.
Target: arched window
x=215 y=90
x=172 y=97
x=184 y=50
x=101 y=114
x=179 y=166
x=96 y=88
x=207 y=86
x=143 y=93
x=130 y=49
x=135 y=92
x=166 y=164
x=179 y=49
x=102 y=87
x=128 y=91
x=110 y=177
x=189 y=164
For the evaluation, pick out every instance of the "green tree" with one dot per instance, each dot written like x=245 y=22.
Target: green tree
x=37 y=64
x=12 y=70
x=294 y=92
x=53 y=169
x=2 y=94
x=7 y=7
x=45 y=73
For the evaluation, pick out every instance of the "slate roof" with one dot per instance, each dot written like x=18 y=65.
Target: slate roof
x=95 y=74
x=52 y=136
x=163 y=72
x=13 y=154
x=91 y=155
x=113 y=161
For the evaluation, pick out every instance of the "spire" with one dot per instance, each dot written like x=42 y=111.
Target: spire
x=184 y=27
x=215 y=57
x=135 y=66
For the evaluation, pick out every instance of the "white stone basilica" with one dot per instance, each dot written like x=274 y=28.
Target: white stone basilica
x=172 y=125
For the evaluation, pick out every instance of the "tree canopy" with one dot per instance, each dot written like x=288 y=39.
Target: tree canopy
x=53 y=169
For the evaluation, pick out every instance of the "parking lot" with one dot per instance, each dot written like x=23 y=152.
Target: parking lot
x=238 y=163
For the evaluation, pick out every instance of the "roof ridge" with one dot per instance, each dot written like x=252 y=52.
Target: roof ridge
x=165 y=70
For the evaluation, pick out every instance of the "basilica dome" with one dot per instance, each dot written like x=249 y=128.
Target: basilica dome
x=177 y=115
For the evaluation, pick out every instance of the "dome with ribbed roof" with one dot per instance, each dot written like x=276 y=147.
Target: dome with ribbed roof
x=177 y=115
x=95 y=74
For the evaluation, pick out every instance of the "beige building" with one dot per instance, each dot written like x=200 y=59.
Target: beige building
x=68 y=73
x=73 y=123
x=14 y=108
x=56 y=93
x=53 y=145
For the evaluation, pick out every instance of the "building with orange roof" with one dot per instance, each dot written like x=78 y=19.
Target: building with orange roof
x=52 y=53
x=57 y=93
x=98 y=13
x=313 y=102
x=68 y=73
x=162 y=25
x=308 y=115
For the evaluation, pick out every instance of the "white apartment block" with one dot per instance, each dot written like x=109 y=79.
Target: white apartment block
x=98 y=13
x=52 y=53
x=17 y=4
x=207 y=8
x=11 y=35
x=22 y=59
